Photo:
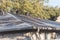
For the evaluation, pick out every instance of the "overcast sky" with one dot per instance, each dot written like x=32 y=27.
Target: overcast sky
x=53 y=3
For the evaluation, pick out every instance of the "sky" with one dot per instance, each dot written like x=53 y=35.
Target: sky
x=53 y=3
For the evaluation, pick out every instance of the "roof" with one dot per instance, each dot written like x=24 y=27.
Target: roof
x=40 y=22
x=10 y=22
x=22 y=26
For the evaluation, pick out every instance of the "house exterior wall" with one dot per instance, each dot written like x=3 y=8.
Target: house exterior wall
x=29 y=36
x=17 y=36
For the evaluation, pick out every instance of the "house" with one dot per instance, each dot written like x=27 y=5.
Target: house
x=13 y=27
